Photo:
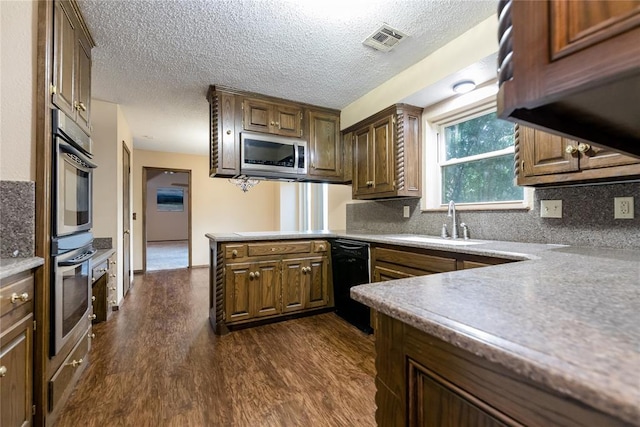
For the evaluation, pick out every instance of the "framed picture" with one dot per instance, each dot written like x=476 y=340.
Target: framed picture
x=170 y=199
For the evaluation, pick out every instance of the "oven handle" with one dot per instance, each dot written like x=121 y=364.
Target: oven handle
x=79 y=259
x=80 y=159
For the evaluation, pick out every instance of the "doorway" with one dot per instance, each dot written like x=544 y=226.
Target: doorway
x=166 y=219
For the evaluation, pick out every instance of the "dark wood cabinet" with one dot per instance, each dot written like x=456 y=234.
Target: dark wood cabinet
x=103 y=289
x=387 y=154
x=422 y=380
x=546 y=159
x=271 y=117
x=572 y=67
x=16 y=349
x=325 y=146
x=71 y=79
x=256 y=280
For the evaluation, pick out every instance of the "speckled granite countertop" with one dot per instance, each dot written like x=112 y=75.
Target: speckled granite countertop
x=101 y=255
x=11 y=266
x=565 y=317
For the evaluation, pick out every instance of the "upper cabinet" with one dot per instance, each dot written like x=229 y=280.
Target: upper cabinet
x=545 y=159
x=71 y=80
x=572 y=67
x=233 y=111
x=387 y=154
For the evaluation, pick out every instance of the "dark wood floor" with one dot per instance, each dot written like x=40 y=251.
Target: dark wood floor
x=156 y=362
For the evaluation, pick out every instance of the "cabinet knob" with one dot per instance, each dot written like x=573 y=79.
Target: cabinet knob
x=113 y=288
x=91 y=335
x=92 y=317
x=228 y=131
x=81 y=106
x=22 y=297
x=257 y=274
x=75 y=363
x=112 y=275
x=584 y=148
x=273 y=123
x=278 y=124
x=113 y=302
x=252 y=275
x=3 y=371
x=321 y=247
x=126 y=231
x=369 y=183
x=234 y=253
x=93 y=298
x=93 y=279
x=571 y=149
x=112 y=262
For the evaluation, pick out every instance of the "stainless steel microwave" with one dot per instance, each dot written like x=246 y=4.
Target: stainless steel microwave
x=272 y=156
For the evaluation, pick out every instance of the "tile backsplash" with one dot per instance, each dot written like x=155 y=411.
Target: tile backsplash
x=587 y=218
x=17 y=219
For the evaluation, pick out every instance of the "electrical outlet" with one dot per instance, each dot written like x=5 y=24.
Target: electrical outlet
x=623 y=207
x=406 y=211
x=551 y=208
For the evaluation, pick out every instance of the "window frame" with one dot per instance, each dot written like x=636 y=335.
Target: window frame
x=451 y=111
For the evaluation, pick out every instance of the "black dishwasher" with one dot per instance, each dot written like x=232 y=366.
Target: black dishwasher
x=350 y=260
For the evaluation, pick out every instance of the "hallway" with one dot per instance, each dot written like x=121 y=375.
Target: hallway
x=156 y=362
x=167 y=255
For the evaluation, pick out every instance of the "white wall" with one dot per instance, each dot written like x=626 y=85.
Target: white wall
x=166 y=225
x=469 y=48
x=218 y=206
x=18 y=41
x=339 y=196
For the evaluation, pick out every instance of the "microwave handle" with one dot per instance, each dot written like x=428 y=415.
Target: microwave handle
x=79 y=260
x=81 y=159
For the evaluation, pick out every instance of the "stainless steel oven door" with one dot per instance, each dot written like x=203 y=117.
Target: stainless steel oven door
x=71 y=294
x=73 y=195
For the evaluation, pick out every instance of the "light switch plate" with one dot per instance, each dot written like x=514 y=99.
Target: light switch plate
x=623 y=207
x=551 y=208
x=406 y=211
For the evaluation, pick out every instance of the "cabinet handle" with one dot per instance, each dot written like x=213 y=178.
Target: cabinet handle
x=112 y=262
x=113 y=288
x=93 y=279
x=81 y=106
x=3 y=371
x=228 y=131
x=571 y=149
x=112 y=302
x=583 y=148
x=112 y=275
x=22 y=297
x=321 y=248
x=257 y=274
x=74 y=363
x=234 y=253
x=278 y=124
x=369 y=183
x=252 y=275
x=273 y=123
x=92 y=317
x=93 y=298
x=91 y=335
x=126 y=231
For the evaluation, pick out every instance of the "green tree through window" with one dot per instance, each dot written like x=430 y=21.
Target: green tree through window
x=476 y=168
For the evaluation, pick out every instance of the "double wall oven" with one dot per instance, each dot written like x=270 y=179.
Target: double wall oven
x=71 y=222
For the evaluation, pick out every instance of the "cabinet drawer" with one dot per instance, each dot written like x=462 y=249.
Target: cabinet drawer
x=320 y=246
x=22 y=293
x=68 y=373
x=428 y=263
x=279 y=248
x=235 y=251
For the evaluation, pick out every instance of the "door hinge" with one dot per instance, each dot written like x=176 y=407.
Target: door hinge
x=33 y=410
x=34 y=325
x=53 y=89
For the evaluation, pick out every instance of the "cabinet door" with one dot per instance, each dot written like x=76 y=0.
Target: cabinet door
x=83 y=83
x=382 y=274
x=362 y=181
x=293 y=285
x=597 y=157
x=287 y=120
x=317 y=283
x=16 y=352
x=238 y=292
x=347 y=158
x=257 y=116
x=383 y=166
x=544 y=154
x=325 y=146
x=64 y=58
x=266 y=288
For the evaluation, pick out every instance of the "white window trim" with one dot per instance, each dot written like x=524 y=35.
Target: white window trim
x=458 y=108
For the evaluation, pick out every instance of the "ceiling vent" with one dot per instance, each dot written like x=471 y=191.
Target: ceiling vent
x=385 y=38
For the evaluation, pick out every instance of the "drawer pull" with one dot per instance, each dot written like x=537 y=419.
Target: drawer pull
x=92 y=317
x=22 y=297
x=112 y=288
x=321 y=248
x=3 y=371
x=113 y=302
x=234 y=253
x=74 y=363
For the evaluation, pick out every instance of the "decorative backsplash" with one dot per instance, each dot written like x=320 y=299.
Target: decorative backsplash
x=587 y=218
x=17 y=219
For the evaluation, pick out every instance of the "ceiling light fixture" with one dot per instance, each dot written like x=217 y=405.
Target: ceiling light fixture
x=464 y=86
x=244 y=183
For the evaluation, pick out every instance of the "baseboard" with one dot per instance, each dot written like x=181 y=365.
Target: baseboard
x=138 y=271
x=200 y=266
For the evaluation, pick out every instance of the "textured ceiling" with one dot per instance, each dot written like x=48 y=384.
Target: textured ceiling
x=157 y=58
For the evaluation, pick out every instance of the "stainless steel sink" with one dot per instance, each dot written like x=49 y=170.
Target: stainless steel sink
x=436 y=240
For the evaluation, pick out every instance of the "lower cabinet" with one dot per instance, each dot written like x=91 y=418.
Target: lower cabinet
x=424 y=381
x=16 y=350
x=271 y=279
x=62 y=382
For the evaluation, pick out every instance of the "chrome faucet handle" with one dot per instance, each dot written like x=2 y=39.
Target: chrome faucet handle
x=454 y=224
x=465 y=231
x=444 y=234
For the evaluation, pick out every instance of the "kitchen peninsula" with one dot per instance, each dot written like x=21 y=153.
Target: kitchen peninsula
x=550 y=340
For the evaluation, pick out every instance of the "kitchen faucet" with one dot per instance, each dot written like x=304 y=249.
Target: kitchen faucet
x=454 y=225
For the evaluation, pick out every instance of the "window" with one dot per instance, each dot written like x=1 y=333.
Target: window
x=469 y=157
